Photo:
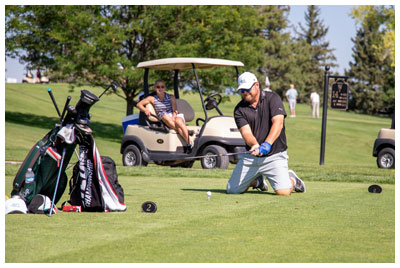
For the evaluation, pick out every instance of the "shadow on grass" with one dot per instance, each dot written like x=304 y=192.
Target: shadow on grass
x=224 y=191
x=106 y=131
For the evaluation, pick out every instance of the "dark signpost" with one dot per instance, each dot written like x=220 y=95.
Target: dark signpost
x=339 y=100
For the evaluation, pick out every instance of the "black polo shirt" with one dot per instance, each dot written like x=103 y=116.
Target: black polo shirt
x=259 y=119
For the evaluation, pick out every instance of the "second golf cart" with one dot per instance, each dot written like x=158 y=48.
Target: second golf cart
x=149 y=140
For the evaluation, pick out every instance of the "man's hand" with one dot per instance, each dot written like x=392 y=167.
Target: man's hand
x=254 y=149
x=264 y=148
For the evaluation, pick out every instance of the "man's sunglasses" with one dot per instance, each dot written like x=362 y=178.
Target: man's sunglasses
x=243 y=90
x=160 y=86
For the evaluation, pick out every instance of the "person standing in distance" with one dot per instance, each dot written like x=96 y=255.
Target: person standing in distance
x=291 y=96
x=314 y=97
x=260 y=117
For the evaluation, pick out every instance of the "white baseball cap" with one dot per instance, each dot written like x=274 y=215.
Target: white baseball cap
x=15 y=205
x=246 y=80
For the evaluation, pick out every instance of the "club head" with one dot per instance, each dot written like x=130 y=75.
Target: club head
x=114 y=86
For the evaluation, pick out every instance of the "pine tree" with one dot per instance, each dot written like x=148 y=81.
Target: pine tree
x=320 y=54
x=281 y=63
x=372 y=68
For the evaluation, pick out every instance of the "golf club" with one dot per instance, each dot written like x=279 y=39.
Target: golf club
x=54 y=101
x=147 y=158
x=114 y=85
x=215 y=155
x=65 y=108
x=58 y=179
x=58 y=112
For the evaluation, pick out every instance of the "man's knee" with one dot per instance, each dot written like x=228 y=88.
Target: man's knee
x=232 y=190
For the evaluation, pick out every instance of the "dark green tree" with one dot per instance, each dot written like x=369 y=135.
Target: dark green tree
x=277 y=47
x=320 y=55
x=372 y=69
x=100 y=44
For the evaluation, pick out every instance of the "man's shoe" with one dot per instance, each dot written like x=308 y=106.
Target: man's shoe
x=299 y=185
x=262 y=184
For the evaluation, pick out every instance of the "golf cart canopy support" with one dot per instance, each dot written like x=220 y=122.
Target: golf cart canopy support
x=184 y=64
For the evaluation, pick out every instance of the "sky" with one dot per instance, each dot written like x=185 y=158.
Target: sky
x=341 y=29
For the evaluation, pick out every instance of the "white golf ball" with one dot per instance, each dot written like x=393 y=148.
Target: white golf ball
x=208 y=193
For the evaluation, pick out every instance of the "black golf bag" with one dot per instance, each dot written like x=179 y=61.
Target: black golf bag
x=94 y=184
x=49 y=158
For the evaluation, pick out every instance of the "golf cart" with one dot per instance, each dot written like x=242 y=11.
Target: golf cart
x=150 y=140
x=384 y=146
x=35 y=80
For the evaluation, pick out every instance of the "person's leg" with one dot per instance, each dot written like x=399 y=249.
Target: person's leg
x=243 y=175
x=275 y=168
x=180 y=124
x=176 y=125
x=317 y=105
x=314 y=111
x=167 y=119
x=294 y=108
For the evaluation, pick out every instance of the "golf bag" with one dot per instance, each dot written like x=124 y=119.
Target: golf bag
x=50 y=156
x=94 y=184
x=42 y=158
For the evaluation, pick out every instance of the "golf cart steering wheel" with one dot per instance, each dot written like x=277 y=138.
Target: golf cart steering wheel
x=211 y=102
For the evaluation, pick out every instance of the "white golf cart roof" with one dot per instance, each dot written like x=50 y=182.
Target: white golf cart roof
x=186 y=63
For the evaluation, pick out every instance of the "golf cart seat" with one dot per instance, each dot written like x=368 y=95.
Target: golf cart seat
x=184 y=108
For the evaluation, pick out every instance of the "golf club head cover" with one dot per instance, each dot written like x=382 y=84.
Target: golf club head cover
x=264 y=148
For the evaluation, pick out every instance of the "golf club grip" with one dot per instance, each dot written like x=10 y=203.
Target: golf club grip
x=65 y=108
x=54 y=101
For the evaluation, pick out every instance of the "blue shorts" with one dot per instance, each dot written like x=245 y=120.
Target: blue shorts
x=274 y=168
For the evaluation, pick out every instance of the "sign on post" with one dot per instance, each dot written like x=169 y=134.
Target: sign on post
x=340 y=95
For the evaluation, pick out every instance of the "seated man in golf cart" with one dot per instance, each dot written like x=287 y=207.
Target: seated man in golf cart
x=165 y=107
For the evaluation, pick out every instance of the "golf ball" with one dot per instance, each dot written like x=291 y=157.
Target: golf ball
x=208 y=193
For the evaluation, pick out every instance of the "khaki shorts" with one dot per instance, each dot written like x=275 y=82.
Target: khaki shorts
x=274 y=168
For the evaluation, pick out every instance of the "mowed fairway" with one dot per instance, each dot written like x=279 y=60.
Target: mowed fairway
x=336 y=220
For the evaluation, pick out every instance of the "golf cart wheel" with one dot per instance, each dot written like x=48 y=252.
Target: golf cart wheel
x=386 y=158
x=221 y=162
x=132 y=156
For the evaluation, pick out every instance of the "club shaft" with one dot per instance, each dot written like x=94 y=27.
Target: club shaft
x=216 y=155
x=58 y=179
x=104 y=91
x=65 y=108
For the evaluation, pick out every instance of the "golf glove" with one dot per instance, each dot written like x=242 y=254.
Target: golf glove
x=264 y=148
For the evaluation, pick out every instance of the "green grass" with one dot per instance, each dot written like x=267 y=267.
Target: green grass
x=337 y=220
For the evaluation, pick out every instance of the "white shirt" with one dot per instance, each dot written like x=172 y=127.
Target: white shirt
x=314 y=97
